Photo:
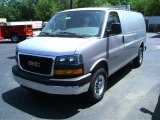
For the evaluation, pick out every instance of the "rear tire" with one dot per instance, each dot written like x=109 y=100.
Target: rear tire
x=14 y=38
x=137 y=62
x=98 y=85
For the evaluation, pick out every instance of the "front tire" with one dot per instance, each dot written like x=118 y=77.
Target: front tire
x=98 y=85
x=137 y=62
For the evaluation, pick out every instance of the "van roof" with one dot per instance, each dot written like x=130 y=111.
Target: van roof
x=95 y=8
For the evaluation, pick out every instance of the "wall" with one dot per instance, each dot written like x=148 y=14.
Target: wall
x=152 y=23
x=153 y=19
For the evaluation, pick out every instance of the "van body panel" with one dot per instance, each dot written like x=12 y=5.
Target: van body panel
x=116 y=52
x=134 y=28
x=92 y=51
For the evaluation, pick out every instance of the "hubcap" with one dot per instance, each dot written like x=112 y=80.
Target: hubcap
x=14 y=38
x=99 y=85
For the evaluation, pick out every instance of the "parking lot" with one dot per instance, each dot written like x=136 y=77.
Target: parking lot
x=133 y=94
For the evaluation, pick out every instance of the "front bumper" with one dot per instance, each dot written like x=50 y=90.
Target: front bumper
x=69 y=86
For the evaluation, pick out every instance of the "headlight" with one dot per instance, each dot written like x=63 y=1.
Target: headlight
x=70 y=65
x=69 y=59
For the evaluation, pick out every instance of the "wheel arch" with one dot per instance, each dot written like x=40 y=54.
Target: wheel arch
x=13 y=33
x=101 y=63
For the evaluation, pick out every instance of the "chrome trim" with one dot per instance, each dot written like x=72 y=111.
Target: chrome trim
x=52 y=68
x=68 y=90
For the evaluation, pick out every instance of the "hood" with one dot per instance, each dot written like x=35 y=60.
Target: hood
x=51 y=46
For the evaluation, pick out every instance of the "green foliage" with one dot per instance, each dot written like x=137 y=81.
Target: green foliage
x=45 y=9
x=117 y=2
x=153 y=8
x=138 y=5
x=18 y=10
x=27 y=9
x=10 y=10
x=91 y=3
x=147 y=7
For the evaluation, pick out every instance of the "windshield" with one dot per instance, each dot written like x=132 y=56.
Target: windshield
x=75 y=24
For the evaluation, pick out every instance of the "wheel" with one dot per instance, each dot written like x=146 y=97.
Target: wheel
x=98 y=85
x=137 y=62
x=14 y=38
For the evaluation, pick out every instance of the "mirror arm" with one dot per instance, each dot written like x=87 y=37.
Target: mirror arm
x=107 y=33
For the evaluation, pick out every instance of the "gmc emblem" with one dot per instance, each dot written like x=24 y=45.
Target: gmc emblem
x=34 y=64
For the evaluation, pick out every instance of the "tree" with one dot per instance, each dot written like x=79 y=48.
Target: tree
x=91 y=3
x=138 y=5
x=152 y=8
x=44 y=9
x=147 y=7
x=27 y=9
x=117 y=2
x=10 y=9
x=18 y=10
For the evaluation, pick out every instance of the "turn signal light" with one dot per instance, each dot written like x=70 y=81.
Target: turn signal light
x=69 y=72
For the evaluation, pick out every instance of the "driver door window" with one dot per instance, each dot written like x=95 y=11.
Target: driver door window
x=112 y=18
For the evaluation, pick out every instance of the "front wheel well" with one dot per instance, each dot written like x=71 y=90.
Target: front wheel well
x=101 y=64
x=14 y=33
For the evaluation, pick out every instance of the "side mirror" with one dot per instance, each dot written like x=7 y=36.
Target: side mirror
x=116 y=28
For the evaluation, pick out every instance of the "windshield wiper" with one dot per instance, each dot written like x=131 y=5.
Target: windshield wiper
x=45 y=34
x=64 y=34
x=70 y=34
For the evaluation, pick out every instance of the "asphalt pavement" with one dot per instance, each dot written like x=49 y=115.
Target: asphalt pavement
x=133 y=93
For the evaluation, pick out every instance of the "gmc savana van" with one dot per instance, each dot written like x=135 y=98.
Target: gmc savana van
x=79 y=49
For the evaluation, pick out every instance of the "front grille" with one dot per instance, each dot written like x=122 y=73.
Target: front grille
x=36 y=64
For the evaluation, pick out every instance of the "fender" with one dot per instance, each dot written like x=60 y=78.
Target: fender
x=97 y=62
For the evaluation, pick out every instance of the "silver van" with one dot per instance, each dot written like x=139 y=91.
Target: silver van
x=79 y=49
